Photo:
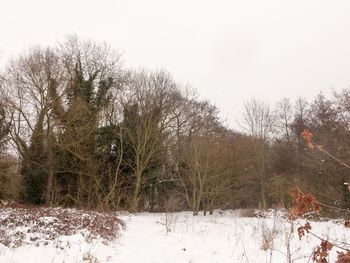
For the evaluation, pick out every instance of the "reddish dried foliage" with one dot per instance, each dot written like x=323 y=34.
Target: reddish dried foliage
x=302 y=229
x=343 y=257
x=321 y=253
x=303 y=203
x=307 y=135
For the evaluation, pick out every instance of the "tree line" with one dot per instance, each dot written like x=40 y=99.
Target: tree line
x=78 y=129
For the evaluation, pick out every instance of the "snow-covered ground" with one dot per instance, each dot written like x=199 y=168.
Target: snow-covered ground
x=181 y=237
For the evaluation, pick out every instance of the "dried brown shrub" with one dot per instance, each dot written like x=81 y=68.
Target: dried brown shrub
x=33 y=225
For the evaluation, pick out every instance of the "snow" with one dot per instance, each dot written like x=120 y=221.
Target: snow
x=223 y=237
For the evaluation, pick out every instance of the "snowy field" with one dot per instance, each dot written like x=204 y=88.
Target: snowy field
x=175 y=237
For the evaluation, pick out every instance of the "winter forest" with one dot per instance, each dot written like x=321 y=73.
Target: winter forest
x=78 y=129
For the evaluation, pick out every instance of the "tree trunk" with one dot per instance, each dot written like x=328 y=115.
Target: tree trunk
x=51 y=171
x=134 y=200
x=263 y=198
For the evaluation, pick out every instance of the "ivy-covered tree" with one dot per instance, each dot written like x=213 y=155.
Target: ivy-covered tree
x=80 y=180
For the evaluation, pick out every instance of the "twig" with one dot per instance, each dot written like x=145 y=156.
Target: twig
x=332 y=156
x=335 y=208
x=313 y=251
x=244 y=253
x=322 y=239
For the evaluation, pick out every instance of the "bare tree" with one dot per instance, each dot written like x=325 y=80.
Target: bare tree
x=203 y=169
x=259 y=122
x=208 y=173
x=27 y=96
x=146 y=127
x=284 y=118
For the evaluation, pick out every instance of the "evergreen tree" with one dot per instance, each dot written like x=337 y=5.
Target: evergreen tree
x=33 y=170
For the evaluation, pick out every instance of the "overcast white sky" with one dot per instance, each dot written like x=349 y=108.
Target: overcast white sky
x=229 y=51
